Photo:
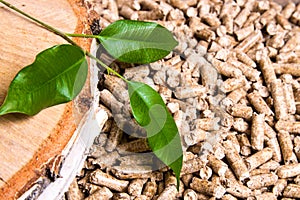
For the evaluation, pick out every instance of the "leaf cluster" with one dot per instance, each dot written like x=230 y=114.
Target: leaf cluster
x=59 y=73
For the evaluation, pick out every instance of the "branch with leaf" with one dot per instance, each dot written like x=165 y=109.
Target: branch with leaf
x=59 y=73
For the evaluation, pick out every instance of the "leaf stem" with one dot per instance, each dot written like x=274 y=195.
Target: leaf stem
x=48 y=27
x=105 y=66
x=81 y=35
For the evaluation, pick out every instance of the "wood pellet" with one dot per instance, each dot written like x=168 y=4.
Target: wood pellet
x=233 y=87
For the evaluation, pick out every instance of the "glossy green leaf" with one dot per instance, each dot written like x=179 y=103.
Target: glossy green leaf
x=137 y=41
x=150 y=112
x=56 y=76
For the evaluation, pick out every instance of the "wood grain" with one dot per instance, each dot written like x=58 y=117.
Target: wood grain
x=26 y=143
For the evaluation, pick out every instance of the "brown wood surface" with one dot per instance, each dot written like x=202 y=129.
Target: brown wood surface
x=27 y=143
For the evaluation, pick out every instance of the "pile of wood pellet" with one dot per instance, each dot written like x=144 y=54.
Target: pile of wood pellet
x=232 y=85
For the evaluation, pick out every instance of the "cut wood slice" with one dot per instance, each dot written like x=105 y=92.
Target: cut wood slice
x=57 y=137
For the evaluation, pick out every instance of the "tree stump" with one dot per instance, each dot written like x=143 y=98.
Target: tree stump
x=29 y=145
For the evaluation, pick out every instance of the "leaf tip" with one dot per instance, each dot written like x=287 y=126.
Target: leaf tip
x=176 y=167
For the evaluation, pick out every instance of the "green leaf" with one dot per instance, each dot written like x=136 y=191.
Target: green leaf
x=150 y=112
x=137 y=41
x=56 y=76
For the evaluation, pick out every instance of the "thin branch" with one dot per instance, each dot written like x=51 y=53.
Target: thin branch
x=105 y=66
x=81 y=35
